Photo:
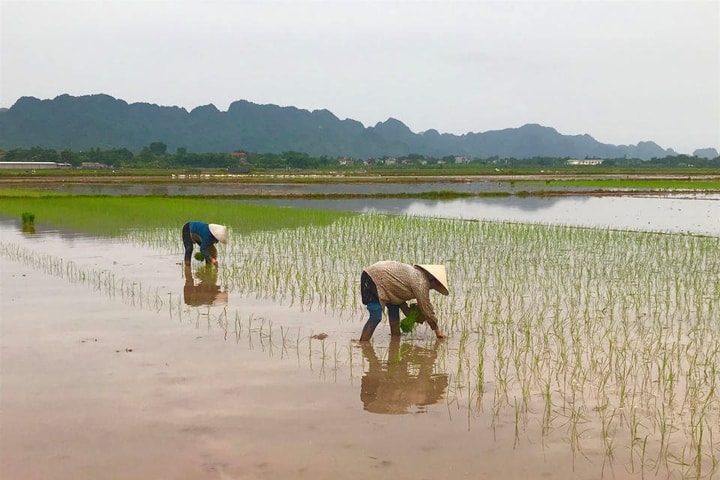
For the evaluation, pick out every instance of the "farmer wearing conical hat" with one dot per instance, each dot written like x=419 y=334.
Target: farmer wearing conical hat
x=392 y=284
x=206 y=235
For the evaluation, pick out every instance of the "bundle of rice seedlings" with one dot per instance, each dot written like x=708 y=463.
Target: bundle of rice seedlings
x=414 y=316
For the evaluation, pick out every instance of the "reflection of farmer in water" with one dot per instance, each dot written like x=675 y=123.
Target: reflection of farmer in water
x=207 y=291
x=206 y=235
x=405 y=380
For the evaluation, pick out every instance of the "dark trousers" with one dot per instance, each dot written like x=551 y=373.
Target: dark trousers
x=187 y=242
x=368 y=289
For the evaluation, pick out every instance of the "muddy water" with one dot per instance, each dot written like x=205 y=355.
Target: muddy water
x=114 y=365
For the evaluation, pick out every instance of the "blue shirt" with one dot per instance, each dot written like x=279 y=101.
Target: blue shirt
x=201 y=231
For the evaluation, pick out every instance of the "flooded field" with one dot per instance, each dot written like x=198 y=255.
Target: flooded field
x=685 y=212
x=681 y=213
x=577 y=353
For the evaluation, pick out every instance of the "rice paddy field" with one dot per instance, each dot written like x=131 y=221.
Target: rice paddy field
x=579 y=353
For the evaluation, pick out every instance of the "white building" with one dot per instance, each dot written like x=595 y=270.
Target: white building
x=32 y=165
x=593 y=161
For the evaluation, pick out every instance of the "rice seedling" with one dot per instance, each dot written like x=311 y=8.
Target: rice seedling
x=28 y=219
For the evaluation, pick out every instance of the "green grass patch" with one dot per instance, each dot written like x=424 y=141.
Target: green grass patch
x=108 y=216
x=25 y=193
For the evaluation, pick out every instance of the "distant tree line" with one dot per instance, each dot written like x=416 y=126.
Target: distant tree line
x=155 y=155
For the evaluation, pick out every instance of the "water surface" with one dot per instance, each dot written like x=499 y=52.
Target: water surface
x=696 y=214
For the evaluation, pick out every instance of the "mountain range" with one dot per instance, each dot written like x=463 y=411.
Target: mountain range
x=102 y=121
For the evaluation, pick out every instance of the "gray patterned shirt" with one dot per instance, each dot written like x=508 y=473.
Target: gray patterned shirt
x=399 y=282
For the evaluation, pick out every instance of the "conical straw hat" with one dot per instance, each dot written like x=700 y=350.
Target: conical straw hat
x=439 y=273
x=219 y=232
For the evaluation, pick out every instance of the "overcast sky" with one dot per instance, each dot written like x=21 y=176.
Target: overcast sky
x=621 y=71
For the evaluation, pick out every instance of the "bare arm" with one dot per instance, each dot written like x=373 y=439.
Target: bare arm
x=428 y=312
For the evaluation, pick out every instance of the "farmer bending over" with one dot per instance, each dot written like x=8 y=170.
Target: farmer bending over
x=392 y=284
x=206 y=235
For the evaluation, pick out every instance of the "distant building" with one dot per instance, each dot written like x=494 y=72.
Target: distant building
x=94 y=166
x=32 y=165
x=593 y=161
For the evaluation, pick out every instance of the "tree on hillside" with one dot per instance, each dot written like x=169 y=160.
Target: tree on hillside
x=73 y=158
x=157 y=148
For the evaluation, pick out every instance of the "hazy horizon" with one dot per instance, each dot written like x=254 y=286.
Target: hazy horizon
x=622 y=72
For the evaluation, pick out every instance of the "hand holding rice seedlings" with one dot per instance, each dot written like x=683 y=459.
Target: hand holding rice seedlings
x=413 y=317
